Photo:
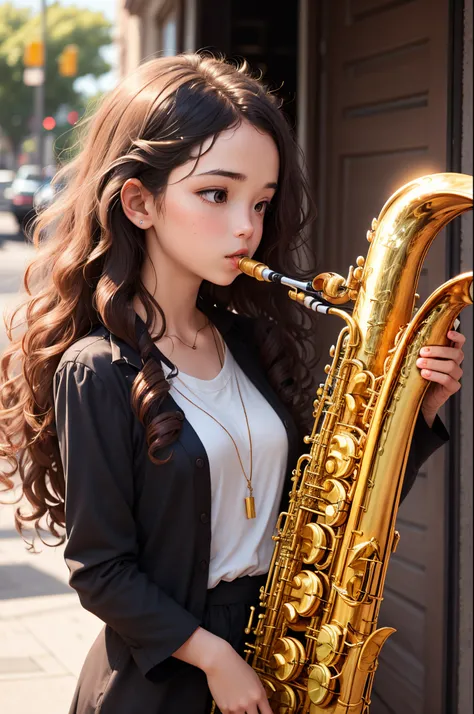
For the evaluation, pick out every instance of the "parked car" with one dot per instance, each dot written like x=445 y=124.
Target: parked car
x=29 y=181
x=21 y=194
x=43 y=196
x=6 y=179
x=27 y=171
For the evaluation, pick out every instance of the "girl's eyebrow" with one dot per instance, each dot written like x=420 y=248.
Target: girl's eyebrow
x=233 y=175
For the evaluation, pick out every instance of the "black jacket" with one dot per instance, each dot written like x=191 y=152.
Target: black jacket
x=139 y=534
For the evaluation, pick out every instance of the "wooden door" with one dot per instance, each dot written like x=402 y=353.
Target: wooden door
x=384 y=75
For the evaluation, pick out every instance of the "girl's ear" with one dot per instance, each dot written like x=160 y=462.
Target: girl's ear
x=135 y=197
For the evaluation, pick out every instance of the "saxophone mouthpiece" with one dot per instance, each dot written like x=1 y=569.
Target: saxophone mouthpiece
x=253 y=268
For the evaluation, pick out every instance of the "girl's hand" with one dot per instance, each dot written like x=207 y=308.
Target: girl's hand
x=235 y=686
x=442 y=367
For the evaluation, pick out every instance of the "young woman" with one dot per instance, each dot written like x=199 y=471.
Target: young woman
x=161 y=399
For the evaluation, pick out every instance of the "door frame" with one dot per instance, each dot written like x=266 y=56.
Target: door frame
x=453 y=411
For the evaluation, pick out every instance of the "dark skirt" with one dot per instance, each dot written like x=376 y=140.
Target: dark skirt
x=118 y=687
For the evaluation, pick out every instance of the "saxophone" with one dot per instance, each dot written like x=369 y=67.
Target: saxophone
x=316 y=642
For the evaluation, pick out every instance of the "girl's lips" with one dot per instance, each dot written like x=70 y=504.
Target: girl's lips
x=235 y=259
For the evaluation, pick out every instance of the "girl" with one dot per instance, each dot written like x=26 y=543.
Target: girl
x=162 y=398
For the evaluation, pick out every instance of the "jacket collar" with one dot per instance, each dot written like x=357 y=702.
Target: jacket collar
x=122 y=352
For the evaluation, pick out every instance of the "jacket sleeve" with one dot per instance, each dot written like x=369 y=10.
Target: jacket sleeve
x=425 y=442
x=94 y=432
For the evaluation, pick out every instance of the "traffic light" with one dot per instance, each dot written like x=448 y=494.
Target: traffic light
x=49 y=123
x=68 y=61
x=34 y=54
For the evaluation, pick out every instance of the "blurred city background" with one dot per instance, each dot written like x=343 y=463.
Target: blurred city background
x=377 y=92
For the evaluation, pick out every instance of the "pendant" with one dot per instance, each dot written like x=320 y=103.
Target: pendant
x=250 y=507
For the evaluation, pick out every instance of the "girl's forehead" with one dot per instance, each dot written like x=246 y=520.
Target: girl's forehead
x=243 y=150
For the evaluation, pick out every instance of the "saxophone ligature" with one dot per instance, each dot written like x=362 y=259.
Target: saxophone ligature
x=315 y=642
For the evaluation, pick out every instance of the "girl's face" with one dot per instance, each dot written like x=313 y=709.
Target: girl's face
x=219 y=209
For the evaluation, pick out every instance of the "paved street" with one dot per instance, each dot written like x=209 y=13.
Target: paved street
x=44 y=633
x=14 y=256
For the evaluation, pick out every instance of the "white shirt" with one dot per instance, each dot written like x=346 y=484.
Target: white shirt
x=239 y=546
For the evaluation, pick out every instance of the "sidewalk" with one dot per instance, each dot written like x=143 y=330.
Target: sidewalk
x=44 y=632
x=14 y=257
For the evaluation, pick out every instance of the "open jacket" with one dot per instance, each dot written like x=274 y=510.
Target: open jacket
x=139 y=534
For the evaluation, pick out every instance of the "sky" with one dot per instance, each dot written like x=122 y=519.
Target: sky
x=88 y=85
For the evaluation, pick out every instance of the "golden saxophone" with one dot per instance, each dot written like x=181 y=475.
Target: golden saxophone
x=316 y=641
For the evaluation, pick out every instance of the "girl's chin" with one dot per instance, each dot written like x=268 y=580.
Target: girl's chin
x=224 y=282
x=223 y=279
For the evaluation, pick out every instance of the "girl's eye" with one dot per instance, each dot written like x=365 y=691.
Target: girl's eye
x=219 y=195
x=214 y=195
x=262 y=206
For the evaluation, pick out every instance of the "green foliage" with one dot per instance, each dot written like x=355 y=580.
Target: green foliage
x=66 y=143
x=90 y=31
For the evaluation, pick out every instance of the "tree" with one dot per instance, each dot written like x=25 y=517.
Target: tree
x=66 y=143
x=65 y=25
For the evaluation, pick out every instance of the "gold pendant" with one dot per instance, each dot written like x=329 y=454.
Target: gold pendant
x=250 y=507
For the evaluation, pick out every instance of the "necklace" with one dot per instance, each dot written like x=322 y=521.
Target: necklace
x=249 y=500
x=193 y=346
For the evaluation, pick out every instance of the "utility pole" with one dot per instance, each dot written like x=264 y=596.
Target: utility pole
x=40 y=93
x=35 y=75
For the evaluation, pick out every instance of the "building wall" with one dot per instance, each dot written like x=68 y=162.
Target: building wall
x=151 y=37
x=190 y=25
x=139 y=30
x=465 y=673
x=129 y=38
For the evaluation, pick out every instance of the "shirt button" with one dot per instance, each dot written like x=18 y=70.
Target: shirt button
x=204 y=518
x=180 y=416
x=199 y=463
x=203 y=565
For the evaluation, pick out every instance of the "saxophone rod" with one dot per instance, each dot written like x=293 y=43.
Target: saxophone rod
x=313 y=299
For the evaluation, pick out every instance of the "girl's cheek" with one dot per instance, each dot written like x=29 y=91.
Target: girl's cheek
x=186 y=213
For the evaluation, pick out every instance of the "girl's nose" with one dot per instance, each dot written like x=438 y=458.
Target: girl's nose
x=244 y=228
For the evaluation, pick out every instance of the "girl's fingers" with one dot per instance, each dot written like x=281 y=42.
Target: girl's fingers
x=448 y=367
x=447 y=353
x=451 y=385
x=264 y=707
x=456 y=337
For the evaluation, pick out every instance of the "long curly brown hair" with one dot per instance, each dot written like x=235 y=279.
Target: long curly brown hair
x=89 y=257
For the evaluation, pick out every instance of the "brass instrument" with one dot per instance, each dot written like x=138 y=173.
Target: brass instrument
x=316 y=641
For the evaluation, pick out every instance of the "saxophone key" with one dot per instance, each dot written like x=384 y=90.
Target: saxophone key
x=282 y=698
x=317 y=544
x=287 y=659
x=322 y=685
x=336 y=499
x=305 y=597
x=248 y=629
x=395 y=541
x=329 y=644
